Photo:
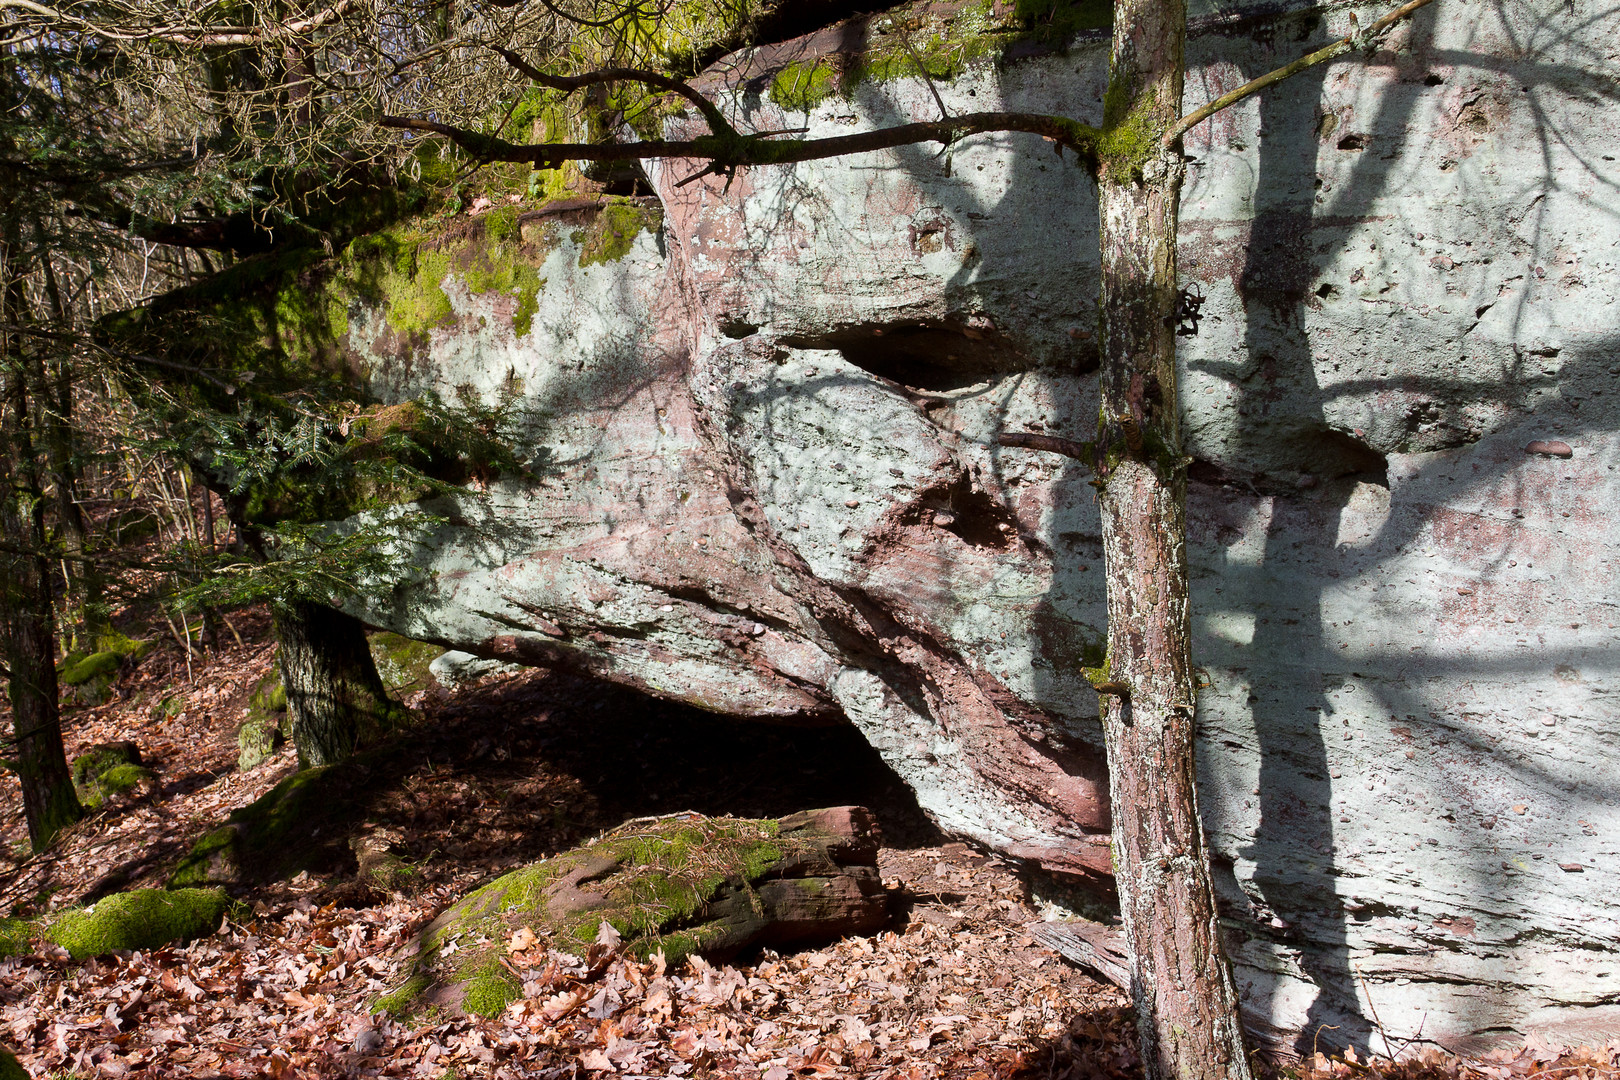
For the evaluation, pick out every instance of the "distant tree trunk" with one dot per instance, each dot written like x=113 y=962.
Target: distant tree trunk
x=26 y=617
x=84 y=617
x=1187 y=1007
x=335 y=698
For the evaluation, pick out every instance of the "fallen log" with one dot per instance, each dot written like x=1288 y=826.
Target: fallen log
x=674 y=886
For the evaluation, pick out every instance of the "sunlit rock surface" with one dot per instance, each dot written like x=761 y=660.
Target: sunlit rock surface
x=773 y=482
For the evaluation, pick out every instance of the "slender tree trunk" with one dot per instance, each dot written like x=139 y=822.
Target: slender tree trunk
x=26 y=617
x=1187 y=1009
x=83 y=608
x=335 y=698
x=49 y=801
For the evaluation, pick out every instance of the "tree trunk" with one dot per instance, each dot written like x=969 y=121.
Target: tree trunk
x=335 y=699
x=84 y=615
x=49 y=801
x=26 y=618
x=1186 y=1003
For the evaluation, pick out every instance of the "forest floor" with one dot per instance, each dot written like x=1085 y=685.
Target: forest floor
x=499 y=775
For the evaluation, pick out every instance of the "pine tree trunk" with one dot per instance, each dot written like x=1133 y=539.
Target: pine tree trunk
x=26 y=617
x=335 y=698
x=83 y=612
x=1187 y=1009
x=49 y=801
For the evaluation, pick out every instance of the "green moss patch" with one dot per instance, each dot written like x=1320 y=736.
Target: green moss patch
x=140 y=919
x=89 y=765
x=256 y=740
x=76 y=671
x=264 y=730
x=88 y=676
x=611 y=236
x=10 y=1067
x=401 y=662
x=917 y=41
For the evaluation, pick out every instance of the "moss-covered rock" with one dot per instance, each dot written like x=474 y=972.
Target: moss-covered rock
x=107 y=770
x=256 y=740
x=379 y=868
x=611 y=236
x=264 y=730
x=10 y=1067
x=300 y=824
x=680 y=885
x=938 y=41
x=88 y=677
x=122 y=780
x=139 y=919
x=102 y=757
x=403 y=664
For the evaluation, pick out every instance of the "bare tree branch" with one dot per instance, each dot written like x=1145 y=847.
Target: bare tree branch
x=189 y=35
x=732 y=150
x=1320 y=56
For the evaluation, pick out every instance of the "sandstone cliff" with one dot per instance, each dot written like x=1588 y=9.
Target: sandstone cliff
x=807 y=448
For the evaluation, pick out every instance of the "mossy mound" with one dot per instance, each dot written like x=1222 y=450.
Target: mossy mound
x=380 y=868
x=107 y=770
x=264 y=730
x=680 y=885
x=88 y=676
x=102 y=757
x=118 y=780
x=402 y=664
x=140 y=919
x=10 y=1067
x=295 y=826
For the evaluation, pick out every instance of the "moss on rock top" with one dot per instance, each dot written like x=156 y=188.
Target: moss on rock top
x=938 y=42
x=107 y=770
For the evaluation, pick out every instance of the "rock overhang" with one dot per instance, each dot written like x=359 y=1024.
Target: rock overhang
x=760 y=505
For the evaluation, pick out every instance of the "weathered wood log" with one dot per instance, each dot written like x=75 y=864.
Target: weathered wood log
x=1099 y=948
x=674 y=885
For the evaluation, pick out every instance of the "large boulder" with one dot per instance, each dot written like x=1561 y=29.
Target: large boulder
x=806 y=444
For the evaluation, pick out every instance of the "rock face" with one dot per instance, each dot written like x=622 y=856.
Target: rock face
x=808 y=450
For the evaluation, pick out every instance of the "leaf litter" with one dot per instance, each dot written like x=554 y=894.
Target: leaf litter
x=500 y=775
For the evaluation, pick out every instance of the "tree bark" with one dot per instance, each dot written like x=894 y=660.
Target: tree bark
x=335 y=698
x=1186 y=1002
x=49 y=801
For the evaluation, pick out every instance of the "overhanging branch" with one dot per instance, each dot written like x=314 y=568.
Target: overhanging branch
x=731 y=150
x=179 y=34
x=1320 y=56
x=569 y=83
